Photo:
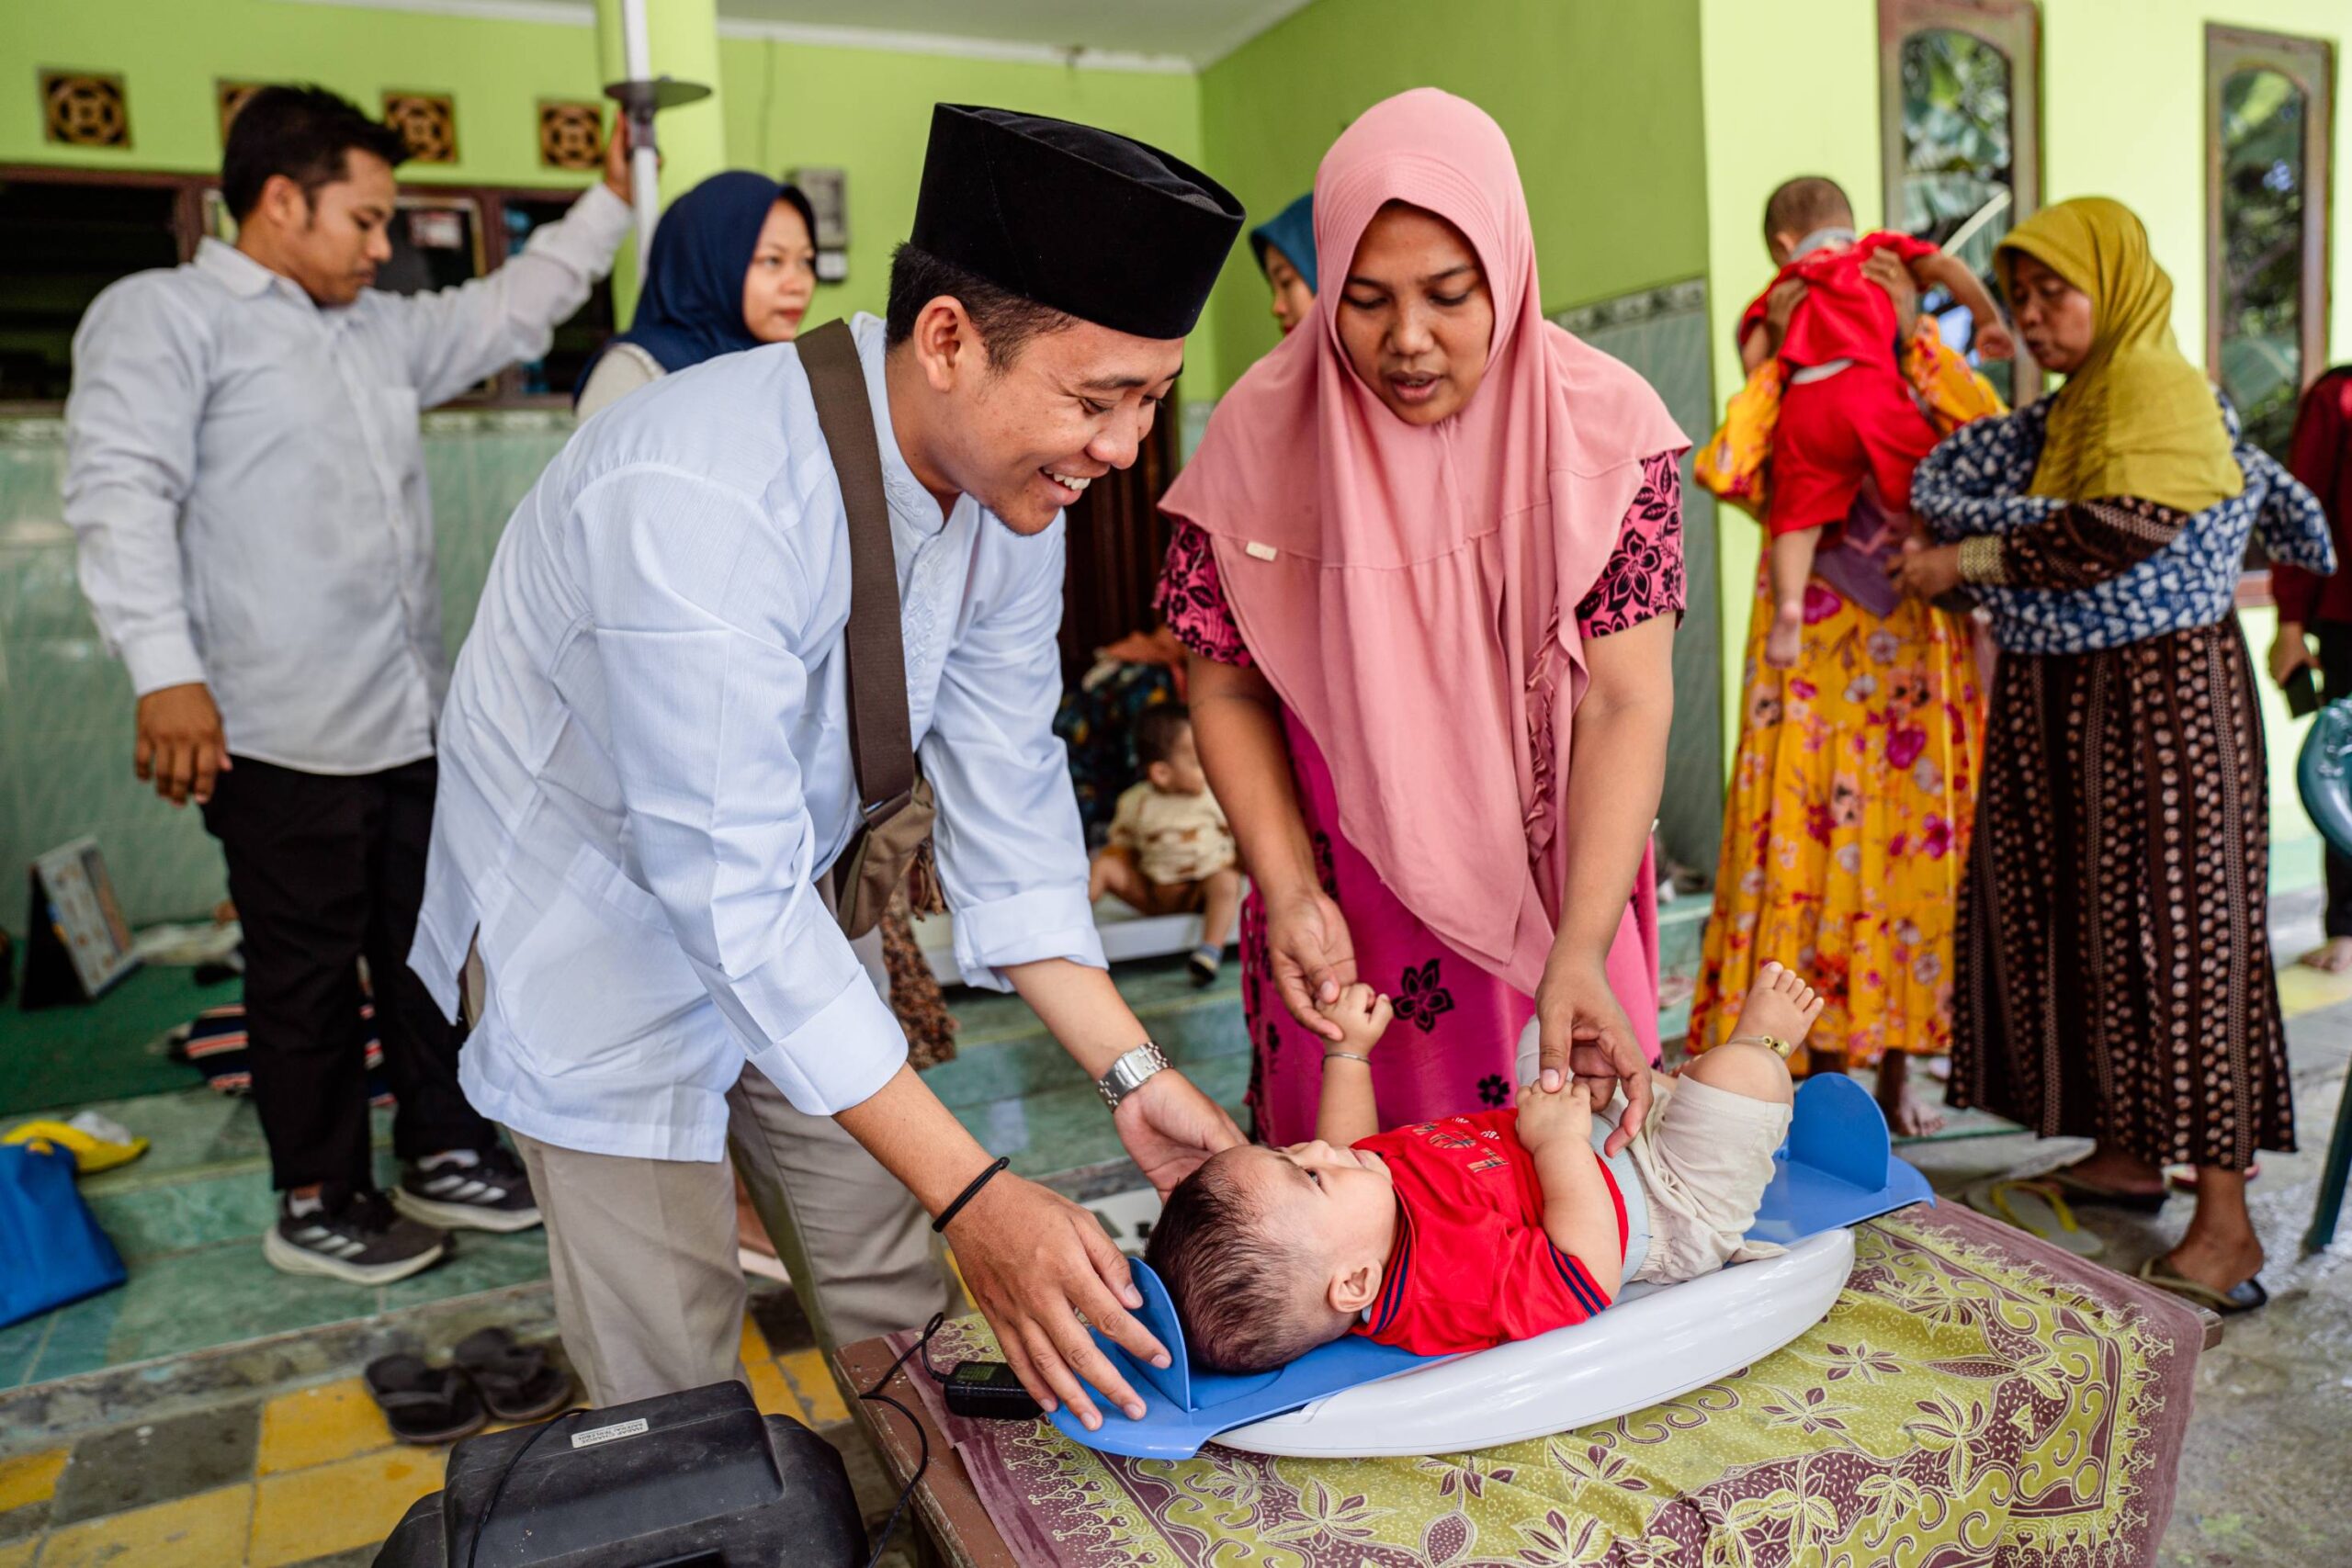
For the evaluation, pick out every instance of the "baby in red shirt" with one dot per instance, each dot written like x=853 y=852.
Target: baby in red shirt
x=1462 y=1234
x=1847 y=413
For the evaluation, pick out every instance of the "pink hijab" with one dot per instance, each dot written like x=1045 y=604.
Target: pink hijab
x=1410 y=591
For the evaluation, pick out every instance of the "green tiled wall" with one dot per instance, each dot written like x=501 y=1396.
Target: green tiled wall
x=66 y=706
x=1662 y=333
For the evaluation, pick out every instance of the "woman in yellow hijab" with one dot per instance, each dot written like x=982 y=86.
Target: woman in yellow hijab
x=2135 y=417
x=2114 y=964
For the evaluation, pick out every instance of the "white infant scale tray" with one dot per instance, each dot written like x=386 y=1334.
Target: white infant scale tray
x=1356 y=1399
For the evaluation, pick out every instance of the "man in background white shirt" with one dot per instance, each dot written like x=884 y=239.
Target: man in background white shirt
x=245 y=478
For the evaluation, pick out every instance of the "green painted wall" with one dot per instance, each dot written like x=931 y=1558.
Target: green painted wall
x=1827 y=127
x=865 y=110
x=869 y=112
x=170 y=52
x=1600 y=99
x=2122 y=116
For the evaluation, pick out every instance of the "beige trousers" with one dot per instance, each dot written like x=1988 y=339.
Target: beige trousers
x=649 y=1295
x=647 y=1291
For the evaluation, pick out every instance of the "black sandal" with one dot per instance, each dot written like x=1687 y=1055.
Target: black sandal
x=423 y=1405
x=517 y=1380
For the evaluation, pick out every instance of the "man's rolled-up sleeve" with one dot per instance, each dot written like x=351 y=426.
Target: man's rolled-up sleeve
x=454 y=337
x=1012 y=854
x=696 y=600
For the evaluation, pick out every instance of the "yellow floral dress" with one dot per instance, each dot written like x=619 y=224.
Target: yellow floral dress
x=1846 y=834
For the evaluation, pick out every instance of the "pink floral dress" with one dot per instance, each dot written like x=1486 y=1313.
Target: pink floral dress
x=1457 y=1026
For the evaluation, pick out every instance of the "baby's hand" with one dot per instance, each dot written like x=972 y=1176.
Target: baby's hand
x=1363 y=1015
x=1563 y=1115
x=1994 y=341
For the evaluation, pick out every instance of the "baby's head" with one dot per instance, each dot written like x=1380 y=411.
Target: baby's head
x=1269 y=1253
x=1165 y=749
x=1799 y=207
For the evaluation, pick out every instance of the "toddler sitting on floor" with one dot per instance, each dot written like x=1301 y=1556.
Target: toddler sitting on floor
x=1171 y=852
x=1462 y=1233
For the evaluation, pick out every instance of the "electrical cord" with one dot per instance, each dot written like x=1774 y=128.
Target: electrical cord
x=920 y=1349
x=473 y=1547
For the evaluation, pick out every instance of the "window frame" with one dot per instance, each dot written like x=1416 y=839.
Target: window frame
x=2012 y=26
x=2310 y=64
x=189 y=228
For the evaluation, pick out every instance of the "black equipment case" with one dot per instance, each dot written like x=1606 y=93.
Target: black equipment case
x=693 y=1479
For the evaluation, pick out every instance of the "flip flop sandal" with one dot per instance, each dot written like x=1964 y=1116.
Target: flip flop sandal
x=97 y=1143
x=2084 y=1194
x=425 y=1405
x=2183 y=1177
x=517 y=1380
x=2245 y=1296
x=2036 y=1210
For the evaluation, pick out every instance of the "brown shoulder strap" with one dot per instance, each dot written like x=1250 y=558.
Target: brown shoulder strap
x=881 y=743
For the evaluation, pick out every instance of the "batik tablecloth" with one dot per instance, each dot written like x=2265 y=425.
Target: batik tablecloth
x=1975 y=1396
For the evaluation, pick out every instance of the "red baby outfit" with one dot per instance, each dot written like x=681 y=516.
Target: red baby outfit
x=1861 y=420
x=1471 y=1267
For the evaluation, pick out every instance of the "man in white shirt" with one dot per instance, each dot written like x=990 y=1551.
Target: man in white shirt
x=247 y=481
x=648 y=777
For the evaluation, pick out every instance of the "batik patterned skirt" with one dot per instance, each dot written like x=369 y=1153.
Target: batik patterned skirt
x=2115 y=968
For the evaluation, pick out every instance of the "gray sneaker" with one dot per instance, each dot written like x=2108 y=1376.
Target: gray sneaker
x=482 y=1190
x=351 y=1235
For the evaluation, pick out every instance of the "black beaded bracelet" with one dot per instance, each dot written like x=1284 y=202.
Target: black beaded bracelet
x=969 y=1193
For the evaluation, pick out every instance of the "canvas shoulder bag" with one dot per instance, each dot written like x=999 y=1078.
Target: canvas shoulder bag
x=895 y=809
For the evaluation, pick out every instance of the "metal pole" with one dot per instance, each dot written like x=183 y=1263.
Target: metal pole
x=637 y=55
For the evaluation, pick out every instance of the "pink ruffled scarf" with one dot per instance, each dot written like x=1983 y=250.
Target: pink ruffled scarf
x=1410 y=591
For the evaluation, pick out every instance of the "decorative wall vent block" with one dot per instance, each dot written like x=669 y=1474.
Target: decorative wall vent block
x=572 y=133
x=228 y=98
x=427 y=122
x=85 y=109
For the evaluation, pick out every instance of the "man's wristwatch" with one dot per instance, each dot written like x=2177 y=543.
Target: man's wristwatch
x=1130 y=1073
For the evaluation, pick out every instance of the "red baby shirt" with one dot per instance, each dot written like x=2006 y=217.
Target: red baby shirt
x=1845 y=315
x=1471 y=1267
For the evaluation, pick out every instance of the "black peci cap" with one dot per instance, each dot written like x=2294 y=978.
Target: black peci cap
x=1102 y=226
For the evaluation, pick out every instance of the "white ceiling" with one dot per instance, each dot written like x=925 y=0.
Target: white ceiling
x=1165 y=32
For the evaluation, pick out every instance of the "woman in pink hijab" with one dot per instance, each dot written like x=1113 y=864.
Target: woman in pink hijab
x=1430 y=548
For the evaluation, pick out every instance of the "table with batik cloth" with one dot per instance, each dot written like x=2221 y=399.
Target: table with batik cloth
x=1975 y=1396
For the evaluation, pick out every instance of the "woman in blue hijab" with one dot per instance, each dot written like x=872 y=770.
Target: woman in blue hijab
x=1285 y=247
x=734 y=265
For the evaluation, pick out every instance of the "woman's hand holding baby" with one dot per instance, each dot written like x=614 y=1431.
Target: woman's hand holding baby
x=1587 y=1037
x=1312 y=956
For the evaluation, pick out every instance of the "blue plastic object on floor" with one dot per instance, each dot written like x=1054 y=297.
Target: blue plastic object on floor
x=1837 y=1168
x=52 y=1251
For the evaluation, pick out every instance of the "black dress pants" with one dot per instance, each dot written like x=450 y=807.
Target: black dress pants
x=325 y=869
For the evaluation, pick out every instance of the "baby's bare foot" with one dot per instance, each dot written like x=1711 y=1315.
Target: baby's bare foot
x=1779 y=1006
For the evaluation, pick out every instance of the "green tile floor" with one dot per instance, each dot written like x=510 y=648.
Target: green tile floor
x=76 y=1056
